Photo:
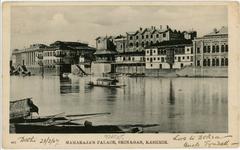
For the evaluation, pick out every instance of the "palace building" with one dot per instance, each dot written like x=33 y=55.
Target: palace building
x=211 y=50
x=55 y=58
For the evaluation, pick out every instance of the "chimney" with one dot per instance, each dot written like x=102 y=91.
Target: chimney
x=152 y=27
x=160 y=27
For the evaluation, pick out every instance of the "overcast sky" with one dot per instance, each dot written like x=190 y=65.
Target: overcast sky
x=45 y=25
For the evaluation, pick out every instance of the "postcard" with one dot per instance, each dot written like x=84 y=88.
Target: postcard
x=121 y=74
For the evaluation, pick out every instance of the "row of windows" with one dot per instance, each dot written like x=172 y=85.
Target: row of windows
x=160 y=51
x=51 y=61
x=143 y=44
x=156 y=58
x=179 y=58
x=147 y=36
x=49 y=53
x=59 y=53
x=160 y=65
x=215 y=49
x=163 y=51
x=183 y=58
x=214 y=62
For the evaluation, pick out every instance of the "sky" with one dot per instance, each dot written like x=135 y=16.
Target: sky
x=47 y=24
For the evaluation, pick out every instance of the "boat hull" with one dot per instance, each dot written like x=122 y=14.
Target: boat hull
x=67 y=129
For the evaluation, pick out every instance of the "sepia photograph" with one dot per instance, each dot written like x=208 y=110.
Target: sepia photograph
x=118 y=69
x=110 y=69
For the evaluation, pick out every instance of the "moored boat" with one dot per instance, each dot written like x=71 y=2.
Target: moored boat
x=106 y=82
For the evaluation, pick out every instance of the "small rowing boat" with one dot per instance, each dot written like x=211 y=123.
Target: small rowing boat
x=106 y=82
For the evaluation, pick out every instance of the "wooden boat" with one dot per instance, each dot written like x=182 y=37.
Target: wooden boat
x=106 y=82
x=65 y=128
x=70 y=127
x=21 y=109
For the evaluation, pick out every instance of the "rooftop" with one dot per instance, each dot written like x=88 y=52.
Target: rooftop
x=222 y=31
x=105 y=52
x=171 y=43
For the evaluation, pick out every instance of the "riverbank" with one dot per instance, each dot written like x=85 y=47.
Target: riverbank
x=200 y=72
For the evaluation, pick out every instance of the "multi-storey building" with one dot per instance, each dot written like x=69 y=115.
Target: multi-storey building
x=137 y=41
x=131 y=48
x=57 y=57
x=105 y=56
x=169 y=55
x=212 y=49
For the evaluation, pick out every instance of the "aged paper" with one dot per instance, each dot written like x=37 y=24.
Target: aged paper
x=120 y=74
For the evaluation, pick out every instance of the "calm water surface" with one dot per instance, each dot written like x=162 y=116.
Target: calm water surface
x=177 y=104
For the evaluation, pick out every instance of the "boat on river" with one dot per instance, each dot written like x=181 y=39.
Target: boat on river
x=21 y=121
x=106 y=82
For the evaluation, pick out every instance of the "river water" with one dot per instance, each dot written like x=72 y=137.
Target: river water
x=178 y=105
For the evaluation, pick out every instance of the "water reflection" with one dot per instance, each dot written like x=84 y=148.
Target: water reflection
x=177 y=104
x=68 y=85
x=171 y=94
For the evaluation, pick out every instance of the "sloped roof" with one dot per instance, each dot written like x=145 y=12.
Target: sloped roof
x=171 y=43
x=104 y=51
x=119 y=36
x=222 y=31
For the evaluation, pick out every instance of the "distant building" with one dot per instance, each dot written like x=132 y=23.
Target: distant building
x=57 y=57
x=105 y=56
x=212 y=49
x=30 y=57
x=106 y=49
x=169 y=55
x=138 y=40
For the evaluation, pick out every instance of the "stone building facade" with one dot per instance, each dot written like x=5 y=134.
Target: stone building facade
x=211 y=50
x=138 y=40
x=170 y=55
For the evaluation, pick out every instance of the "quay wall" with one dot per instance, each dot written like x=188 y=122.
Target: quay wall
x=203 y=72
x=98 y=69
x=189 y=72
x=130 y=69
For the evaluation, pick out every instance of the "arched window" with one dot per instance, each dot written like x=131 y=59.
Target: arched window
x=226 y=61
x=209 y=62
x=131 y=44
x=222 y=48
x=217 y=48
x=213 y=62
x=226 y=48
x=209 y=49
x=147 y=43
x=204 y=49
x=222 y=62
x=151 y=42
x=142 y=44
x=204 y=62
x=217 y=62
x=213 y=48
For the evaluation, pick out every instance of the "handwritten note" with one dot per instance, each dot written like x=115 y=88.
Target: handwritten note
x=32 y=139
x=204 y=140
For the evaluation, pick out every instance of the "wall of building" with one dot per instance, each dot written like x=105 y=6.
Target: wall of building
x=130 y=69
x=192 y=71
x=99 y=68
